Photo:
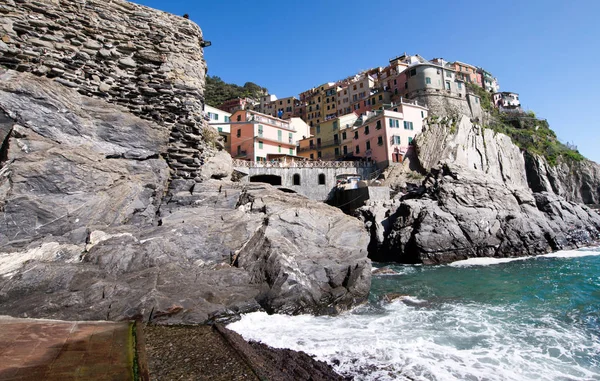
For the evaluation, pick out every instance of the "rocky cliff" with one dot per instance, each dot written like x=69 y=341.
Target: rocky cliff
x=115 y=202
x=474 y=202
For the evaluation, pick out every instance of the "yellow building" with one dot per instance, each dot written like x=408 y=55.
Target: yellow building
x=325 y=139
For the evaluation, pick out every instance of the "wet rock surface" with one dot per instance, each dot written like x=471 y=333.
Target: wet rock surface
x=216 y=353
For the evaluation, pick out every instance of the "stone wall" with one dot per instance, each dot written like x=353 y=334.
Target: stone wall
x=146 y=60
x=309 y=178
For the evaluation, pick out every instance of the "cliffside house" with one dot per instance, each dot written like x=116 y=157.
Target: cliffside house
x=432 y=78
x=506 y=100
x=489 y=82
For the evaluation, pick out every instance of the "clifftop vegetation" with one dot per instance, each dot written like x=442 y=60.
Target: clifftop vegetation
x=217 y=91
x=527 y=131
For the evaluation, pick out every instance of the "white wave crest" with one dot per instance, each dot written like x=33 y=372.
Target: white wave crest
x=447 y=342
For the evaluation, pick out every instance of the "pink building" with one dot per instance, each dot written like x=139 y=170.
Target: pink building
x=256 y=136
x=386 y=136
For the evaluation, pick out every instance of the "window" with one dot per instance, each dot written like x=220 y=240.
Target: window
x=321 y=179
x=447 y=85
x=413 y=72
x=260 y=145
x=239 y=150
x=355 y=134
x=357 y=149
x=345 y=150
x=378 y=125
x=239 y=133
x=226 y=119
x=312 y=156
x=318 y=142
x=406 y=85
x=335 y=125
x=366 y=130
x=291 y=151
x=288 y=101
x=291 y=138
x=380 y=140
x=381 y=97
x=368 y=145
x=428 y=80
x=239 y=118
x=319 y=154
x=344 y=136
x=220 y=129
x=318 y=129
x=297 y=176
x=336 y=138
x=225 y=139
x=279 y=135
x=410 y=140
x=260 y=130
x=396 y=140
x=422 y=114
x=279 y=149
x=361 y=85
x=408 y=125
x=337 y=152
x=213 y=116
x=394 y=123
x=395 y=82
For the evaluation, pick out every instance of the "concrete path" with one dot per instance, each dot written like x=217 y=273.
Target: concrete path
x=57 y=350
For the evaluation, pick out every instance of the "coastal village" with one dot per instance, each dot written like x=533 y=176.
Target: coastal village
x=371 y=117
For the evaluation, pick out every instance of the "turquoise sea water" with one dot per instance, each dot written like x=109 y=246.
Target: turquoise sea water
x=482 y=319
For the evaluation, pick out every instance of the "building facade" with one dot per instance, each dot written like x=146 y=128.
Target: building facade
x=385 y=137
x=256 y=136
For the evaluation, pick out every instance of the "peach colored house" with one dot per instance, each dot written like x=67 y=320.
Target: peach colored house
x=255 y=136
x=466 y=72
x=385 y=137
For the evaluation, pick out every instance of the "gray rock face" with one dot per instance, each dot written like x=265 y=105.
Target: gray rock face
x=575 y=181
x=476 y=202
x=93 y=227
x=464 y=215
x=148 y=61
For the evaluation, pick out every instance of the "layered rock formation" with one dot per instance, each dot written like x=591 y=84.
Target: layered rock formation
x=474 y=202
x=115 y=204
x=148 y=61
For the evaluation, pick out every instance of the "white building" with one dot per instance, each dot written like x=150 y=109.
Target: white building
x=218 y=118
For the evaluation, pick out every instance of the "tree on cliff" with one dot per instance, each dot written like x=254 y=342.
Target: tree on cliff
x=217 y=91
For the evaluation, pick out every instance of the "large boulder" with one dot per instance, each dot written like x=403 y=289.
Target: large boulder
x=93 y=227
x=461 y=214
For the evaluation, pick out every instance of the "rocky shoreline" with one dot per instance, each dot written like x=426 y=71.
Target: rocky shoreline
x=216 y=353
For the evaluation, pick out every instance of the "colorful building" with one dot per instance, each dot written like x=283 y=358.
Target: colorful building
x=255 y=136
x=237 y=104
x=324 y=142
x=489 y=82
x=385 y=136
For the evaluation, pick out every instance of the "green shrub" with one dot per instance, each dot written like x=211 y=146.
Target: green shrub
x=534 y=136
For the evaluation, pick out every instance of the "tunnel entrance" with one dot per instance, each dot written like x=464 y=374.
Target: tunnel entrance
x=269 y=179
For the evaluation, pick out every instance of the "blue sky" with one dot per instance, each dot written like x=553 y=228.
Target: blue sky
x=548 y=51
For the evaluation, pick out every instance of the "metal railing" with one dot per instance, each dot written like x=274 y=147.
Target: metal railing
x=301 y=164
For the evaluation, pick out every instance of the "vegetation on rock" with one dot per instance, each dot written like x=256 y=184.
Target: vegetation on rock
x=217 y=91
x=527 y=131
